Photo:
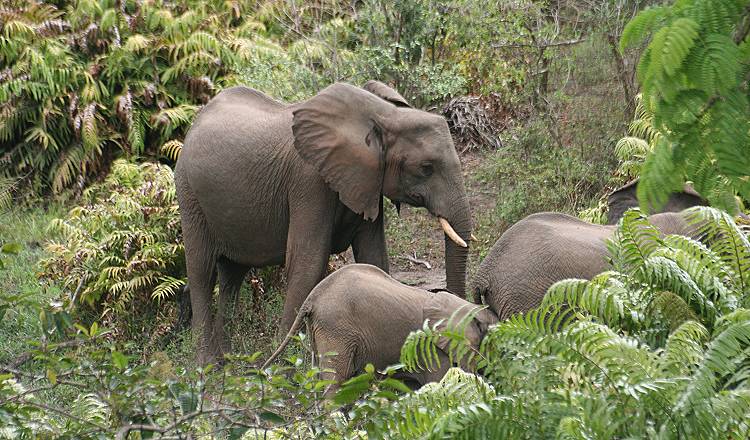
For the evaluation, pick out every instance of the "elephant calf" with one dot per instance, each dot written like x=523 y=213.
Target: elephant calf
x=363 y=316
x=544 y=248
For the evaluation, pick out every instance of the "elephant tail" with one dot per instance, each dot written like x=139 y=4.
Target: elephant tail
x=303 y=312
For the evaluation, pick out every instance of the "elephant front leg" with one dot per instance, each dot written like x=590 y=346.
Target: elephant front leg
x=369 y=244
x=307 y=251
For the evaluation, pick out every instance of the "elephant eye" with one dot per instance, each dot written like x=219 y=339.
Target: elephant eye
x=426 y=169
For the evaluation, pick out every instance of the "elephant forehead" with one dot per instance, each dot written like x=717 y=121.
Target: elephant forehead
x=446 y=304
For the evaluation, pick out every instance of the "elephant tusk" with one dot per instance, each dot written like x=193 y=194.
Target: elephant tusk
x=451 y=233
x=474 y=237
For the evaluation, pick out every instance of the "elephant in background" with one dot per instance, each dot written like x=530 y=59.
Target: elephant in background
x=547 y=247
x=260 y=182
x=364 y=316
x=625 y=197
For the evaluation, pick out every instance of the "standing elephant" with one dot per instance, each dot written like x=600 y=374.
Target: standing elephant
x=364 y=316
x=260 y=183
x=626 y=197
x=544 y=248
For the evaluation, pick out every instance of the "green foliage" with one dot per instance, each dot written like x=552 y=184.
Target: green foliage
x=420 y=348
x=120 y=250
x=533 y=175
x=400 y=44
x=694 y=82
x=657 y=348
x=87 y=80
x=116 y=397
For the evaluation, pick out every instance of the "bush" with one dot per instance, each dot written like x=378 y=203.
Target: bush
x=532 y=174
x=120 y=252
x=88 y=80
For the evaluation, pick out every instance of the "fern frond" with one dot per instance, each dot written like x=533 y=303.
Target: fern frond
x=636 y=29
x=659 y=177
x=171 y=149
x=725 y=352
x=597 y=298
x=684 y=348
x=419 y=351
x=727 y=241
x=168 y=287
x=633 y=241
x=665 y=274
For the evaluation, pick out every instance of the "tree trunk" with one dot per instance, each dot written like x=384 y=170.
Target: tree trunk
x=624 y=76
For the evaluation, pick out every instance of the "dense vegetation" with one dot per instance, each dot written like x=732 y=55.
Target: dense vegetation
x=94 y=92
x=694 y=82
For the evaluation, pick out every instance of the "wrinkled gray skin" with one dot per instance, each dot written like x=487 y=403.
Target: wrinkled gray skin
x=545 y=248
x=364 y=316
x=626 y=197
x=260 y=183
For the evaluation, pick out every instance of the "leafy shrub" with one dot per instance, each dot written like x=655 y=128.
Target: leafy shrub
x=694 y=81
x=120 y=250
x=117 y=397
x=87 y=80
x=532 y=175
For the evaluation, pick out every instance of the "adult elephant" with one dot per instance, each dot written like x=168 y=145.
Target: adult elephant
x=544 y=248
x=626 y=197
x=260 y=182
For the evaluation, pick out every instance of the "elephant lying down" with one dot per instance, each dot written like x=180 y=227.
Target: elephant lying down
x=545 y=248
x=364 y=316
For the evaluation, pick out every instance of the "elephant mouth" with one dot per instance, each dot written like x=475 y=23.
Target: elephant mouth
x=414 y=199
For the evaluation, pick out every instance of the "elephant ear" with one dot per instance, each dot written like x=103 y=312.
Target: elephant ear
x=339 y=132
x=377 y=88
x=620 y=200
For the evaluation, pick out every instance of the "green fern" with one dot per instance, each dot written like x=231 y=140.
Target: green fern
x=659 y=349
x=121 y=248
x=88 y=80
x=692 y=82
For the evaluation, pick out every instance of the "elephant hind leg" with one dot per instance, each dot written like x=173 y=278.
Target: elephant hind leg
x=336 y=357
x=200 y=258
x=231 y=276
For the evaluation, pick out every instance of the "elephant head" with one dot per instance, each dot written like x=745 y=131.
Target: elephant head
x=625 y=197
x=449 y=312
x=368 y=143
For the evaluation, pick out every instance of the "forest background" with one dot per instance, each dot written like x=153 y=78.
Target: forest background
x=552 y=104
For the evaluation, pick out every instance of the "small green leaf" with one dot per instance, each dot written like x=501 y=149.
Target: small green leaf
x=52 y=376
x=395 y=384
x=237 y=433
x=119 y=360
x=11 y=248
x=271 y=417
x=82 y=329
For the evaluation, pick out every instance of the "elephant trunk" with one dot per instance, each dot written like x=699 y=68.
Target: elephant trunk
x=455 y=254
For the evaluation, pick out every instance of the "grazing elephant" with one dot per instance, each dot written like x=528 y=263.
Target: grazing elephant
x=625 y=198
x=544 y=248
x=364 y=316
x=260 y=183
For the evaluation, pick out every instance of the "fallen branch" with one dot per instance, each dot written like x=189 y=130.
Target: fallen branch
x=539 y=45
x=415 y=260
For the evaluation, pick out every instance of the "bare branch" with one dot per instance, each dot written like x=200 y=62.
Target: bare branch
x=540 y=45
